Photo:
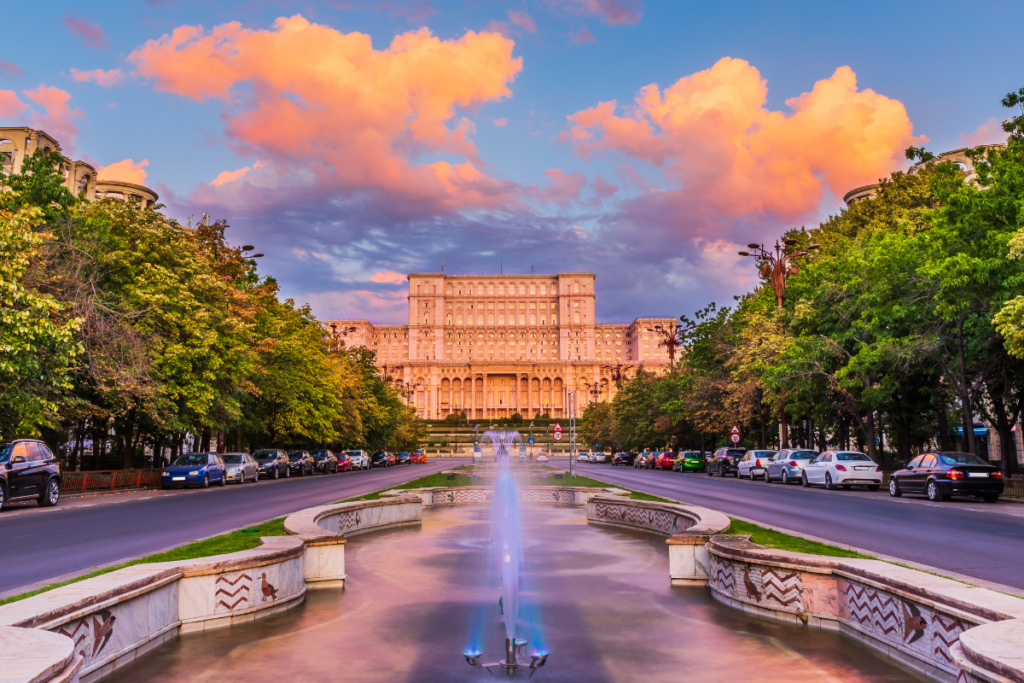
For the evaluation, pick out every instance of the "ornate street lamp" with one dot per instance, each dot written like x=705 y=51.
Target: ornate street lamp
x=337 y=335
x=618 y=373
x=671 y=338
x=387 y=373
x=775 y=266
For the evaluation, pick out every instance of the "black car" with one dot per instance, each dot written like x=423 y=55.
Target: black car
x=724 y=461
x=272 y=463
x=943 y=474
x=381 y=459
x=404 y=459
x=28 y=471
x=326 y=462
x=623 y=459
x=301 y=462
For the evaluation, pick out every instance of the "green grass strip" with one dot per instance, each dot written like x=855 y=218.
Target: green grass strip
x=770 y=538
x=232 y=542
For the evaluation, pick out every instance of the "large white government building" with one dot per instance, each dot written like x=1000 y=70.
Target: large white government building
x=495 y=345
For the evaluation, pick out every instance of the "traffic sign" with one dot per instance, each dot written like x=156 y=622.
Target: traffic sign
x=531 y=440
x=557 y=436
x=558 y=427
x=735 y=438
x=734 y=434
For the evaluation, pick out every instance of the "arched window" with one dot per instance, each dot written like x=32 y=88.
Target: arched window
x=533 y=290
x=449 y=321
x=576 y=288
x=576 y=317
x=449 y=289
x=490 y=289
x=533 y=318
x=522 y=318
x=501 y=289
x=543 y=290
x=458 y=319
x=554 y=319
x=501 y=318
x=522 y=289
x=490 y=318
x=543 y=320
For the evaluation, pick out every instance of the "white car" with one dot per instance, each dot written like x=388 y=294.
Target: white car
x=842 y=468
x=754 y=464
x=360 y=459
x=584 y=457
x=541 y=457
x=598 y=457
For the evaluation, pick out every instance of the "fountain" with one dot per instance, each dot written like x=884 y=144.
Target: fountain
x=507 y=538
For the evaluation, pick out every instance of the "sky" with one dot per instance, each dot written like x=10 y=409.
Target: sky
x=355 y=141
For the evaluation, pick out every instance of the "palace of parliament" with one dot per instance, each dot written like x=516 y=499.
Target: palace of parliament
x=494 y=345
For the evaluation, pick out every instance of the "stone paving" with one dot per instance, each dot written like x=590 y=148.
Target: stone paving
x=607 y=607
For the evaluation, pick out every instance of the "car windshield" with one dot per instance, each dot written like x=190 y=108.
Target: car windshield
x=691 y=455
x=352 y=452
x=406 y=455
x=265 y=455
x=852 y=456
x=735 y=454
x=320 y=455
x=190 y=460
x=803 y=455
x=960 y=459
x=763 y=454
x=232 y=459
x=295 y=454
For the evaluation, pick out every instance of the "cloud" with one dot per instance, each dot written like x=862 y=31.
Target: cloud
x=988 y=133
x=325 y=109
x=91 y=34
x=411 y=10
x=609 y=11
x=562 y=187
x=100 y=77
x=500 y=123
x=230 y=176
x=522 y=20
x=582 y=37
x=59 y=119
x=10 y=69
x=389 y=276
x=10 y=104
x=126 y=171
x=713 y=139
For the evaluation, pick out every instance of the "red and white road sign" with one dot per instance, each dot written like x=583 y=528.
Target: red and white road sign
x=558 y=427
x=557 y=436
x=734 y=434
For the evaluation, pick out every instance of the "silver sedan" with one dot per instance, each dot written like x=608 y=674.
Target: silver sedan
x=788 y=464
x=239 y=468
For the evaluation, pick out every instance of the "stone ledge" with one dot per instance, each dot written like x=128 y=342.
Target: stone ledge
x=996 y=649
x=35 y=656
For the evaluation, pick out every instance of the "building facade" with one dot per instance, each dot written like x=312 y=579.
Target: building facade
x=495 y=345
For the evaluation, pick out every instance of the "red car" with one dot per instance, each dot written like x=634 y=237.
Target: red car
x=344 y=463
x=664 y=461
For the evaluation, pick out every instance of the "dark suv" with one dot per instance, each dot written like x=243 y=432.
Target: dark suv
x=724 y=461
x=301 y=462
x=271 y=464
x=28 y=471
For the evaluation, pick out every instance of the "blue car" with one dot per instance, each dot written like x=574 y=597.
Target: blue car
x=196 y=469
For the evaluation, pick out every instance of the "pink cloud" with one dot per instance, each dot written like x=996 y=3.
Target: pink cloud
x=562 y=187
x=100 y=77
x=91 y=34
x=608 y=11
x=230 y=176
x=603 y=188
x=713 y=138
x=988 y=133
x=389 y=276
x=411 y=10
x=582 y=37
x=10 y=104
x=500 y=123
x=523 y=21
x=10 y=69
x=126 y=171
x=59 y=119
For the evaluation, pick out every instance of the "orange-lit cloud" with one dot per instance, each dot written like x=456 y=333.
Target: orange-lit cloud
x=99 y=76
x=713 y=137
x=10 y=104
x=307 y=97
x=500 y=123
x=608 y=11
x=523 y=20
x=126 y=171
x=388 y=276
x=988 y=133
x=582 y=37
x=59 y=119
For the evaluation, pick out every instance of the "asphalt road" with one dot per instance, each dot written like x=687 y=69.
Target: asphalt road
x=40 y=544
x=962 y=536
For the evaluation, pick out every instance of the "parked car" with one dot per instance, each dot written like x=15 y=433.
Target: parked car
x=382 y=459
x=326 y=462
x=272 y=463
x=28 y=470
x=842 y=468
x=788 y=465
x=664 y=460
x=583 y=456
x=723 y=462
x=419 y=455
x=345 y=463
x=404 y=458
x=360 y=459
x=301 y=463
x=689 y=461
x=754 y=464
x=943 y=474
x=642 y=459
x=241 y=467
x=601 y=458
x=623 y=458
x=195 y=469
x=541 y=456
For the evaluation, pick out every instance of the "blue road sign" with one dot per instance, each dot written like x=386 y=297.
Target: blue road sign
x=531 y=440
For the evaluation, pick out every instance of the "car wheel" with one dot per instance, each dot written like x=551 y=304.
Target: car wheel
x=51 y=495
x=785 y=478
x=277 y=473
x=302 y=471
x=767 y=479
x=829 y=486
x=988 y=497
x=894 y=487
x=710 y=473
x=933 y=492
x=288 y=473
x=223 y=480
x=206 y=481
x=736 y=474
x=3 y=496
x=804 y=482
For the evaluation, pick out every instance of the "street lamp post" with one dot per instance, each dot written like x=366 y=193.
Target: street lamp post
x=618 y=373
x=336 y=336
x=775 y=266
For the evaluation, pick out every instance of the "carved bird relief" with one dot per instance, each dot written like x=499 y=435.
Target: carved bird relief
x=752 y=590
x=268 y=590
x=913 y=622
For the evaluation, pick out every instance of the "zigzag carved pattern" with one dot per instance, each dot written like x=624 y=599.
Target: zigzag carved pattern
x=657 y=520
x=78 y=638
x=537 y=495
x=349 y=520
x=723 y=575
x=233 y=605
x=868 y=609
x=946 y=633
x=242 y=584
x=233 y=593
x=237 y=579
x=784 y=589
x=460 y=497
x=962 y=677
